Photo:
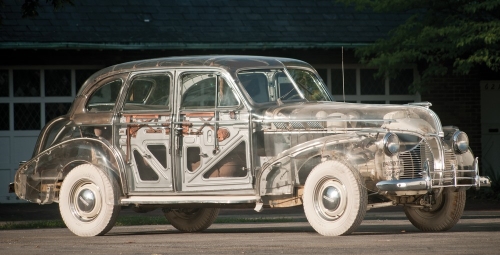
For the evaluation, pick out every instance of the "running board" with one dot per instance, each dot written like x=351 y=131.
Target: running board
x=155 y=200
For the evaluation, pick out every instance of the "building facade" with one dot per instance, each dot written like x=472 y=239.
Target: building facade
x=45 y=60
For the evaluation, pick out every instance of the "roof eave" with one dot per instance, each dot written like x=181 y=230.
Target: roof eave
x=178 y=46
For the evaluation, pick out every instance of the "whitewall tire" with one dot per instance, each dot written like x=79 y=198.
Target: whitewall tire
x=334 y=199
x=83 y=201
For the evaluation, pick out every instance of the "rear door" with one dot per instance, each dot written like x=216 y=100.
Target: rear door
x=145 y=131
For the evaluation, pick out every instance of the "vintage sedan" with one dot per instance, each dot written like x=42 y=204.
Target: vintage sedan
x=191 y=135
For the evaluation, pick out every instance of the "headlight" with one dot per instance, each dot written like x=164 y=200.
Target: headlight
x=460 y=142
x=391 y=144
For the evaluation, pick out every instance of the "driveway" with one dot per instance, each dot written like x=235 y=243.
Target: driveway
x=382 y=232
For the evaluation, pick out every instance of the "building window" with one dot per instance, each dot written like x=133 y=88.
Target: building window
x=357 y=84
x=53 y=110
x=57 y=83
x=371 y=85
x=31 y=97
x=4 y=83
x=4 y=116
x=26 y=83
x=27 y=116
x=348 y=78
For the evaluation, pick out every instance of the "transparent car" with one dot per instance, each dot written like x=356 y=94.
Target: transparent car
x=191 y=135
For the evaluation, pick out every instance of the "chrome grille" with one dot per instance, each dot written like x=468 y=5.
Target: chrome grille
x=294 y=125
x=412 y=161
x=450 y=160
x=281 y=125
x=315 y=125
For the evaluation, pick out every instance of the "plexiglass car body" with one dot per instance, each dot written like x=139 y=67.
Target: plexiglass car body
x=191 y=135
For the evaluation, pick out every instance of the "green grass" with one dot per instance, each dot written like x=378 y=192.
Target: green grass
x=32 y=224
x=137 y=220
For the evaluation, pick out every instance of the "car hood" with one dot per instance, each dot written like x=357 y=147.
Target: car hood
x=351 y=116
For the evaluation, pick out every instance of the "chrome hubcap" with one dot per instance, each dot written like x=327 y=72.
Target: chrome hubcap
x=330 y=198
x=85 y=201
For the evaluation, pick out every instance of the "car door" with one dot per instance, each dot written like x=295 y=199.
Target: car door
x=211 y=135
x=144 y=132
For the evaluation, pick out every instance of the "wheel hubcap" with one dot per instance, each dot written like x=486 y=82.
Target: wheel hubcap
x=330 y=198
x=85 y=201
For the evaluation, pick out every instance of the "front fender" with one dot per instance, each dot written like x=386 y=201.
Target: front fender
x=291 y=167
x=38 y=179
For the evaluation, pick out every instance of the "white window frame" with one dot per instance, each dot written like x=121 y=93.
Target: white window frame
x=12 y=135
x=358 y=98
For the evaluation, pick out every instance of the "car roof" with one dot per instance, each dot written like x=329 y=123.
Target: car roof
x=231 y=63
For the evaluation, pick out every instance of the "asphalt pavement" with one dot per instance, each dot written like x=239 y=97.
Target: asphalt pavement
x=381 y=232
x=31 y=212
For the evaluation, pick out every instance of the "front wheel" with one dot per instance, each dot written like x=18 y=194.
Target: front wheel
x=443 y=215
x=191 y=220
x=83 y=201
x=334 y=199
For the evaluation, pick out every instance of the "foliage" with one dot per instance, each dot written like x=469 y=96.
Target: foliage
x=30 y=7
x=441 y=37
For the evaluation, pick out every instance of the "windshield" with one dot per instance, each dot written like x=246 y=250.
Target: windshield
x=271 y=85
x=309 y=84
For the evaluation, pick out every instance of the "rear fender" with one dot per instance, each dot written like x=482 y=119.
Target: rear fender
x=38 y=180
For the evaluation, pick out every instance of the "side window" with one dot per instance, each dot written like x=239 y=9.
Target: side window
x=148 y=92
x=104 y=98
x=202 y=90
x=225 y=97
x=255 y=84
x=198 y=91
x=286 y=90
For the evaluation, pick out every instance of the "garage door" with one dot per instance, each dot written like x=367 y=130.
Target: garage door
x=29 y=98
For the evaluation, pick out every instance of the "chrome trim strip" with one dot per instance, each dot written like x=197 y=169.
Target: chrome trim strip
x=226 y=122
x=324 y=119
x=189 y=200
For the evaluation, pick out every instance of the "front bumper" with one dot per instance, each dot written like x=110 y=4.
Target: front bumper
x=457 y=179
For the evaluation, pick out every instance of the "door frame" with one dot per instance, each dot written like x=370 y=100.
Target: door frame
x=199 y=132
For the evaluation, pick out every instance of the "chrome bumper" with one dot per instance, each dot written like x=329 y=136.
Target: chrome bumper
x=427 y=183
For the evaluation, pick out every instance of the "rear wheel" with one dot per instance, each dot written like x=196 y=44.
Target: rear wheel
x=443 y=215
x=191 y=220
x=334 y=199
x=83 y=201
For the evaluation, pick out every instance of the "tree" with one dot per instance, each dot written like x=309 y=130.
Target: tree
x=30 y=7
x=441 y=37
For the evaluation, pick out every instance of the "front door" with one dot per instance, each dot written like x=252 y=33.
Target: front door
x=211 y=146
